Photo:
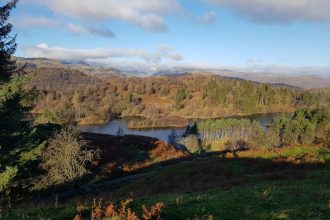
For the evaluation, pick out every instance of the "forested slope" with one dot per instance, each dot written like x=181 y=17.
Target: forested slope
x=67 y=94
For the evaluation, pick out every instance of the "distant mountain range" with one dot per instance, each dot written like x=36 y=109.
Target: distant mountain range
x=294 y=80
x=302 y=80
x=33 y=63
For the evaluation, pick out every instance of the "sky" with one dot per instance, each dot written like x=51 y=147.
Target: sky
x=162 y=33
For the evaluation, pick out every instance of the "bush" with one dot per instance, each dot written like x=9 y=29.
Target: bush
x=235 y=145
x=6 y=178
x=191 y=142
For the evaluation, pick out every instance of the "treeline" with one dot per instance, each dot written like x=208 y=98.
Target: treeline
x=69 y=95
x=165 y=122
x=230 y=129
x=303 y=127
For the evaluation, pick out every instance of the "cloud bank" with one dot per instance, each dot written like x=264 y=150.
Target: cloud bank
x=279 y=11
x=67 y=54
x=29 y=21
x=148 y=14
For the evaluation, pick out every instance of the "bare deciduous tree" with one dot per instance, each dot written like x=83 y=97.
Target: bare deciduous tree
x=66 y=158
x=172 y=137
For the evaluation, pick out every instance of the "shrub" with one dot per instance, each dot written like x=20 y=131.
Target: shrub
x=6 y=178
x=123 y=212
x=235 y=145
x=191 y=142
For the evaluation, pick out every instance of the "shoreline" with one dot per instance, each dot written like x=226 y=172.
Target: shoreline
x=142 y=117
x=190 y=119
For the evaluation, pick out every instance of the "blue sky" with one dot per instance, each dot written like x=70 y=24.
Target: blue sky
x=153 y=33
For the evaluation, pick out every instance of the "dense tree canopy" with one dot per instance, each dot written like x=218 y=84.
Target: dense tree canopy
x=67 y=94
x=304 y=127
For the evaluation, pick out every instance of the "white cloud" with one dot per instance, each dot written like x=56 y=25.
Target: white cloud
x=148 y=14
x=60 y=53
x=279 y=11
x=168 y=51
x=29 y=21
x=231 y=71
x=207 y=19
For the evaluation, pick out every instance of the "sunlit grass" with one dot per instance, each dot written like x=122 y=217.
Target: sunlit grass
x=219 y=145
x=248 y=185
x=314 y=153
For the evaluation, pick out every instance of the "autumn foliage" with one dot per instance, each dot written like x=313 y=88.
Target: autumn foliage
x=70 y=95
x=111 y=211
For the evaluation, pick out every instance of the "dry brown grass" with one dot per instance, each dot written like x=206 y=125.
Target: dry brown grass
x=294 y=154
x=131 y=152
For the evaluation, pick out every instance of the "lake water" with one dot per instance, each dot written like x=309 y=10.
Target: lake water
x=160 y=133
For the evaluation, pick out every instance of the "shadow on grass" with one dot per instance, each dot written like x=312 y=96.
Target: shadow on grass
x=241 y=180
x=225 y=187
x=210 y=173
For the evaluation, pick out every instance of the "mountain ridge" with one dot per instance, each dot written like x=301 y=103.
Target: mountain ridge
x=306 y=81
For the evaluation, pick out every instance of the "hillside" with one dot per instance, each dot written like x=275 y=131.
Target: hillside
x=304 y=80
x=127 y=154
x=68 y=94
x=259 y=184
x=35 y=63
x=164 y=110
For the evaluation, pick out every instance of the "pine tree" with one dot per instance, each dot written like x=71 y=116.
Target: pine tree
x=11 y=110
x=10 y=87
x=7 y=43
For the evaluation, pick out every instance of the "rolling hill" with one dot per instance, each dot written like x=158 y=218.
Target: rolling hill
x=35 y=63
x=304 y=80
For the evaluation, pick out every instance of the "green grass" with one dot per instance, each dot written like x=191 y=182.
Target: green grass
x=253 y=185
x=290 y=199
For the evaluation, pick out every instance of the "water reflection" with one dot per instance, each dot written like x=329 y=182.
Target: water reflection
x=161 y=133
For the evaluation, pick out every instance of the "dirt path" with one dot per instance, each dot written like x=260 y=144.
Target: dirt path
x=157 y=167
x=94 y=188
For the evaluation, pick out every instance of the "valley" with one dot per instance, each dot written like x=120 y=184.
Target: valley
x=70 y=95
x=176 y=144
x=164 y=110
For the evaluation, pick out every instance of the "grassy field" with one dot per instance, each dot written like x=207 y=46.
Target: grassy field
x=288 y=199
x=288 y=183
